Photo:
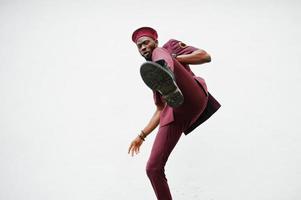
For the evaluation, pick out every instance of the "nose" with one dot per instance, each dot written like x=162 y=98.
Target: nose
x=143 y=48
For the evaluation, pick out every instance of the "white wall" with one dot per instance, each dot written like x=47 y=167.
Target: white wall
x=71 y=100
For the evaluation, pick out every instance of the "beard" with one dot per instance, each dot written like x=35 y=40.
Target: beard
x=148 y=57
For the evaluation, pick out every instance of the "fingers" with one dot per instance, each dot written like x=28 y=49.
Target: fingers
x=137 y=149
x=130 y=147
x=134 y=148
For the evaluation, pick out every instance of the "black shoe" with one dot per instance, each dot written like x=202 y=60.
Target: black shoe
x=161 y=79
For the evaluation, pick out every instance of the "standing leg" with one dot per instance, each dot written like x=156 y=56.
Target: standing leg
x=166 y=139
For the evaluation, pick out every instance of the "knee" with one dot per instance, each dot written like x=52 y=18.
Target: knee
x=153 y=172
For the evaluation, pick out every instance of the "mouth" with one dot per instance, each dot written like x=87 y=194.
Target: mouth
x=146 y=54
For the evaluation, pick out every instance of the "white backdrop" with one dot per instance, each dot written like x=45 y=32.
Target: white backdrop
x=71 y=100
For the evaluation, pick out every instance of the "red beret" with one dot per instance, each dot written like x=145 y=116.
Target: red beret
x=144 y=31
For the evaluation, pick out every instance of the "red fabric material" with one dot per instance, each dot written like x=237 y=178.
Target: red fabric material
x=165 y=141
x=194 y=99
x=179 y=48
x=144 y=31
x=168 y=114
x=175 y=121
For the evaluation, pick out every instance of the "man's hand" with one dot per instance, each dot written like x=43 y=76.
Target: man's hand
x=135 y=146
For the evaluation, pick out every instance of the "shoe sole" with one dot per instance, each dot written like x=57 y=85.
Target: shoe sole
x=159 y=79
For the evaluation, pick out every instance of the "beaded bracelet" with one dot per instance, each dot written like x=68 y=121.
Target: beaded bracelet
x=142 y=135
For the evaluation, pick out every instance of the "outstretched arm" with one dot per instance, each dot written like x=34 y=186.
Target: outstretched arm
x=153 y=123
x=196 y=57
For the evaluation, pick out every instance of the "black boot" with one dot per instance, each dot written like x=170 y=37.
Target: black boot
x=158 y=76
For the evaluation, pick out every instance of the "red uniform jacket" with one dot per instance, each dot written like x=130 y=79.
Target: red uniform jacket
x=179 y=48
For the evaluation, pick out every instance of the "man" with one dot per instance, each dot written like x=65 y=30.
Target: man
x=182 y=100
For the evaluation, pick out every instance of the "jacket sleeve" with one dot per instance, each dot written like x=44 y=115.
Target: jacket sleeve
x=157 y=99
x=178 y=47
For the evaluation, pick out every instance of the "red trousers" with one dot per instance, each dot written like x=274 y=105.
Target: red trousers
x=195 y=100
x=165 y=141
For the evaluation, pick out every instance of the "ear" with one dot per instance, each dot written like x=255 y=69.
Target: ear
x=156 y=42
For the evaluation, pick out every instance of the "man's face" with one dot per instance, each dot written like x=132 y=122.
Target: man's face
x=146 y=46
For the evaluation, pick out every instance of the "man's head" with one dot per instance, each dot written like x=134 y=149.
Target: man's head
x=146 y=40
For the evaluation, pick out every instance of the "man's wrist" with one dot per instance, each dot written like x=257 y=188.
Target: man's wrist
x=142 y=135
